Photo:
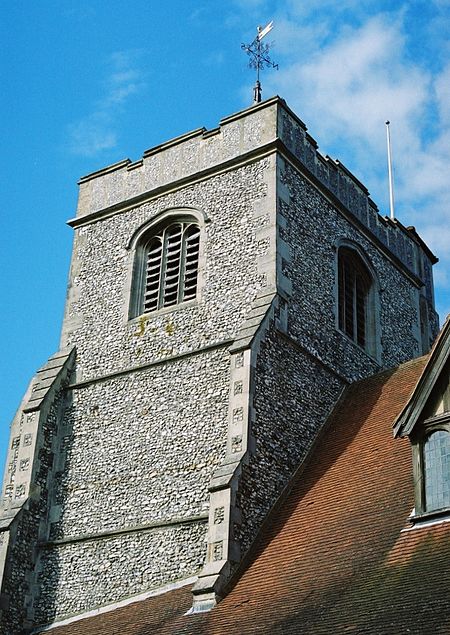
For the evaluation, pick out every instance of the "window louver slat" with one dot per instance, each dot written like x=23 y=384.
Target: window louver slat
x=172 y=253
x=153 y=274
x=192 y=235
x=171 y=267
x=354 y=287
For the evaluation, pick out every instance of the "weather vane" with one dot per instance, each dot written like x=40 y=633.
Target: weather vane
x=259 y=57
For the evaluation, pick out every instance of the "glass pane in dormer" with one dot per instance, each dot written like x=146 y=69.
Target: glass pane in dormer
x=436 y=458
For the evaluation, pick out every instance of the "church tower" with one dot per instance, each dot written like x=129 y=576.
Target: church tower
x=223 y=291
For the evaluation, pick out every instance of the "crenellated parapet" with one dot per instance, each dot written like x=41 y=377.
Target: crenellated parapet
x=353 y=197
x=261 y=130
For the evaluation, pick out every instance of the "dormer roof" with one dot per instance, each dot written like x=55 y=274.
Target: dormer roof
x=436 y=365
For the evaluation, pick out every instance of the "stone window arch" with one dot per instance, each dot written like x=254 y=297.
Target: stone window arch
x=166 y=263
x=357 y=298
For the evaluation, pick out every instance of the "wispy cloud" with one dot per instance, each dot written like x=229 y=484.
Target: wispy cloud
x=92 y=135
x=215 y=58
x=97 y=130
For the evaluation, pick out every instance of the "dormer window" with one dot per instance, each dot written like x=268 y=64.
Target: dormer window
x=436 y=470
x=425 y=419
x=431 y=462
x=166 y=266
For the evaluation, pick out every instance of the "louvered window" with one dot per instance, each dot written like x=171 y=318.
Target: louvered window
x=354 y=287
x=170 y=267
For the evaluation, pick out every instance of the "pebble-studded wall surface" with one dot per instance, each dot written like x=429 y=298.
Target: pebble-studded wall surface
x=18 y=584
x=106 y=340
x=141 y=447
x=314 y=230
x=298 y=378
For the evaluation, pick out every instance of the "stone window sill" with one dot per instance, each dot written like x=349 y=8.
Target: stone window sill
x=164 y=310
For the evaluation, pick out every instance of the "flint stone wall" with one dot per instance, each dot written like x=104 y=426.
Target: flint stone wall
x=76 y=577
x=312 y=229
x=96 y=315
x=355 y=197
x=179 y=158
x=26 y=529
x=298 y=378
x=141 y=448
x=293 y=395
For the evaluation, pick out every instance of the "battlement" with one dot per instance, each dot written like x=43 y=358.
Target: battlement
x=193 y=155
x=353 y=196
x=248 y=135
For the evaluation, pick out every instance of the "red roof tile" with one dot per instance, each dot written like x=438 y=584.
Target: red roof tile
x=333 y=558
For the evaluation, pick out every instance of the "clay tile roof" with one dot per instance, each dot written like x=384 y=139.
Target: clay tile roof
x=334 y=557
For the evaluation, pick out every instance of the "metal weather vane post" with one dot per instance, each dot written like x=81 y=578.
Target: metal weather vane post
x=259 y=57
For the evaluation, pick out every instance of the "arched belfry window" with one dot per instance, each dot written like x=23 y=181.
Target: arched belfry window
x=356 y=300
x=171 y=264
x=166 y=266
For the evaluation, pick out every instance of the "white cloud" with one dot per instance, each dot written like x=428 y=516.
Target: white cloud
x=351 y=81
x=442 y=4
x=91 y=135
x=357 y=82
x=442 y=88
x=96 y=131
x=215 y=58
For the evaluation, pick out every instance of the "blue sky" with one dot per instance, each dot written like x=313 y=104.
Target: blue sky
x=88 y=83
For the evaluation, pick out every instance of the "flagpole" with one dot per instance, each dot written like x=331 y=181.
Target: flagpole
x=391 y=176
